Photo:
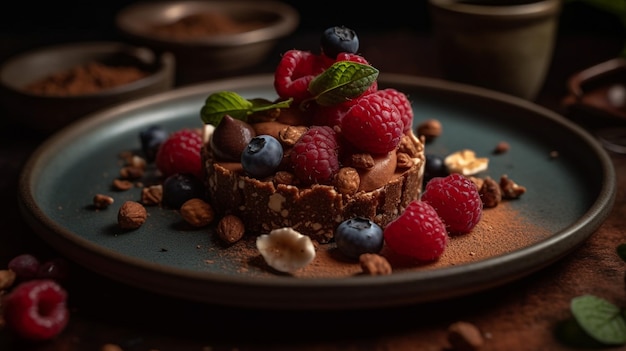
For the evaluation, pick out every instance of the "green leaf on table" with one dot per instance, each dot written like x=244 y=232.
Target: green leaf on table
x=343 y=81
x=217 y=105
x=600 y=319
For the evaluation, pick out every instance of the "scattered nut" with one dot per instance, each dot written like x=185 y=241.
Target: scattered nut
x=464 y=336
x=131 y=215
x=490 y=192
x=101 y=201
x=374 y=264
x=230 y=229
x=510 y=189
x=347 y=180
x=501 y=148
x=285 y=249
x=131 y=172
x=7 y=278
x=465 y=162
x=430 y=129
x=152 y=195
x=122 y=184
x=197 y=212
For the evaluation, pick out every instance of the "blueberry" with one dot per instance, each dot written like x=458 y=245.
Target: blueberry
x=435 y=167
x=151 y=138
x=357 y=236
x=339 y=39
x=25 y=266
x=262 y=156
x=180 y=187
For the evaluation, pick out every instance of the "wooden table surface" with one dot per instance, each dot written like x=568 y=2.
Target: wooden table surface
x=518 y=316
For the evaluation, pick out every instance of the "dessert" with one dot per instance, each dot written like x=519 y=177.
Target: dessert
x=331 y=147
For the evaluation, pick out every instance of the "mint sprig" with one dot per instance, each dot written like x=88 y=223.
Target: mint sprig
x=217 y=105
x=343 y=81
x=600 y=319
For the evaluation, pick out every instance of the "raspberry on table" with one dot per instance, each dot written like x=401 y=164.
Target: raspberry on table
x=180 y=153
x=457 y=201
x=36 y=310
x=373 y=125
x=418 y=233
x=315 y=157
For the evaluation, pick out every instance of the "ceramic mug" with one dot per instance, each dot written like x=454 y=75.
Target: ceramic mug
x=502 y=45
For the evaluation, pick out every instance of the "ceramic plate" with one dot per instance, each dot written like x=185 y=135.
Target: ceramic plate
x=569 y=178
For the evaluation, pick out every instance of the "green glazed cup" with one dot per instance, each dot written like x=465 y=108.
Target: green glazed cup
x=504 y=45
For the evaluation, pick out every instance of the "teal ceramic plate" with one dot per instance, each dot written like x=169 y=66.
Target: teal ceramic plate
x=568 y=197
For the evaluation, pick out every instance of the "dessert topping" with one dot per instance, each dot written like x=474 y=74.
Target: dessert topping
x=358 y=236
x=262 y=156
x=230 y=138
x=465 y=162
x=285 y=249
x=315 y=156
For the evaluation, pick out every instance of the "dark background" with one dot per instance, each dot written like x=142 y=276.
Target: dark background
x=56 y=21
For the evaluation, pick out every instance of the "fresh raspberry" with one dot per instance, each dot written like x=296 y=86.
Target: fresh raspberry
x=294 y=72
x=399 y=100
x=180 y=153
x=331 y=115
x=418 y=233
x=315 y=155
x=456 y=200
x=36 y=310
x=373 y=125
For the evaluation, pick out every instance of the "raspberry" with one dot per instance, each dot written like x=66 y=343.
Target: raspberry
x=294 y=72
x=418 y=233
x=373 y=125
x=399 y=100
x=36 y=310
x=180 y=153
x=456 y=200
x=315 y=155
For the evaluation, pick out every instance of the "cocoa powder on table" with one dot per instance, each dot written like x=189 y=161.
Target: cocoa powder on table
x=89 y=78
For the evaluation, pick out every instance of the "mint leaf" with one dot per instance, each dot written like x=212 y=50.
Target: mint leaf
x=217 y=105
x=343 y=81
x=600 y=319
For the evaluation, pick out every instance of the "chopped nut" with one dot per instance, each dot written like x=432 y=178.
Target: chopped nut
x=285 y=249
x=347 y=180
x=374 y=264
x=131 y=215
x=465 y=162
x=477 y=181
x=403 y=160
x=197 y=212
x=152 y=195
x=283 y=177
x=362 y=161
x=430 y=129
x=7 y=278
x=101 y=201
x=510 y=189
x=137 y=162
x=490 y=192
x=464 y=336
x=230 y=229
x=289 y=135
x=122 y=184
x=501 y=147
x=131 y=172
x=407 y=146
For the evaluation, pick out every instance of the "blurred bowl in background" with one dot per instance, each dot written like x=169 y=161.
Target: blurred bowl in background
x=209 y=38
x=48 y=88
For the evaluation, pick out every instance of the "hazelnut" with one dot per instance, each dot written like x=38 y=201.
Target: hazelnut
x=430 y=129
x=131 y=215
x=347 y=181
x=197 y=212
x=374 y=264
x=230 y=229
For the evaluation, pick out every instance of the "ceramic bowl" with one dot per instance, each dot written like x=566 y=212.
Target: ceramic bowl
x=48 y=110
x=209 y=38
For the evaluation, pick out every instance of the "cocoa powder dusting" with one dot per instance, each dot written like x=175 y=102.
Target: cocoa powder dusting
x=85 y=79
x=501 y=230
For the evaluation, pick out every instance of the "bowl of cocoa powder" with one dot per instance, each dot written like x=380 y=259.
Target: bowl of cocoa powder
x=209 y=38
x=48 y=88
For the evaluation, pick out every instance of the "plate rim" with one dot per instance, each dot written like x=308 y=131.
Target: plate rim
x=306 y=293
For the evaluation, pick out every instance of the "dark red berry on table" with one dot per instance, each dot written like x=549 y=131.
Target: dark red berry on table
x=180 y=153
x=418 y=233
x=36 y=310
x=457 y=201
x=25 y=266
x=339 y=39
x=180 y=187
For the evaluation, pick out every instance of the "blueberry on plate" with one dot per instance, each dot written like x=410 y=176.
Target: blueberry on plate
x=339 y=39
x=434 y=167
x=357 y=236
x=262 y=156
x=151 y=138
x=180 y=187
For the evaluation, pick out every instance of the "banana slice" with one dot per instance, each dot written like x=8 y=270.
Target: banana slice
x=465 y=162
x=285 y=249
